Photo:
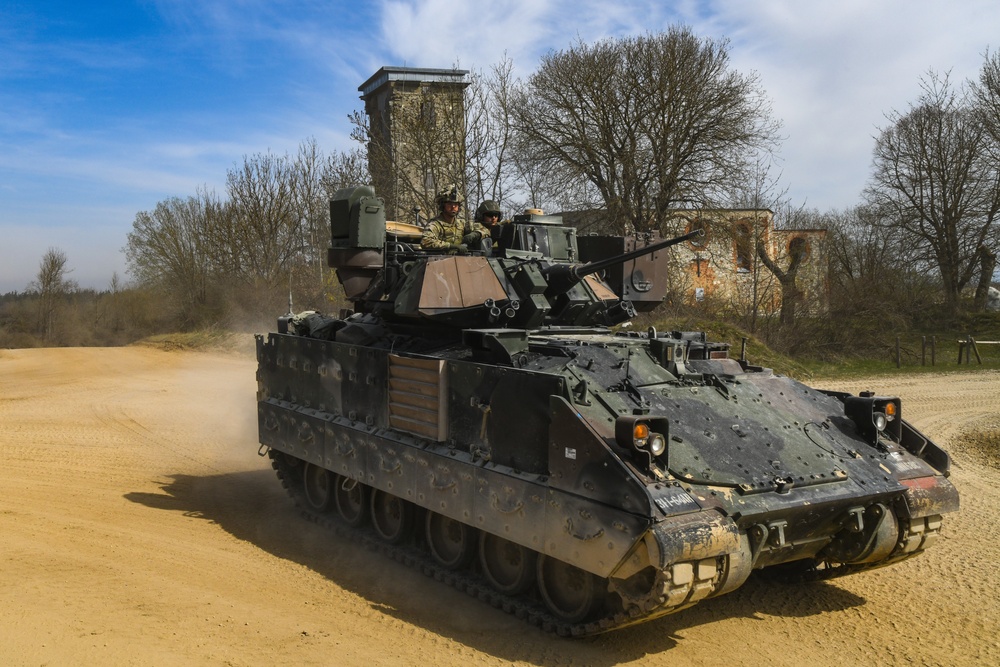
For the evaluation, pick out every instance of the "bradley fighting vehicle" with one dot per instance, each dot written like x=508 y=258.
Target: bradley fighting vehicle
x=477 y=418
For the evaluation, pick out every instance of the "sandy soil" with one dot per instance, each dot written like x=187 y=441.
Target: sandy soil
x=139 y=527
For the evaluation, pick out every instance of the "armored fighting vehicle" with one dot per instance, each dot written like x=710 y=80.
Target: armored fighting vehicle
x=477 y=416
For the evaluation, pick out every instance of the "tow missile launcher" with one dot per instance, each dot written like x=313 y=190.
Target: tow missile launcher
x=475 y=415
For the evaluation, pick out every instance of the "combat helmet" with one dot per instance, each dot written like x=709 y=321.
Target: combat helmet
x=488 y=206
x=451 y=194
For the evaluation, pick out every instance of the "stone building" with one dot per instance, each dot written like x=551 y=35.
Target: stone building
x=724 y=266
x=721 y=269
x=416 y=131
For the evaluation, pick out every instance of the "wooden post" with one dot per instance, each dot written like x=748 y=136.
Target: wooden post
x=975 y=348
x=923 y=350
x=897 y=351
x=933 y=348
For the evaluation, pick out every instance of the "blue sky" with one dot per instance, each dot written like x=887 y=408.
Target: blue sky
x=107 y=108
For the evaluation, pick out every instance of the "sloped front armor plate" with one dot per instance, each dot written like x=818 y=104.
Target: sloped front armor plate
x=459 y=282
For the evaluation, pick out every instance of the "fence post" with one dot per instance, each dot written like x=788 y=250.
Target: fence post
x=897 y=351
x=923 y=350
x=933 y=348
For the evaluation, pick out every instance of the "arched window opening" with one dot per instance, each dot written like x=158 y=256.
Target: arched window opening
x=698 y=242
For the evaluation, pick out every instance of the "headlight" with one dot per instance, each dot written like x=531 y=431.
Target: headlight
x=642 y=434
x=657 y=444
x=881 y=420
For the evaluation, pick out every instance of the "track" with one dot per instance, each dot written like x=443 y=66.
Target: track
x=914 y=539
x=466 y=581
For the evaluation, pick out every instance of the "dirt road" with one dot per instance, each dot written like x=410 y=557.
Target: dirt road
x=139 y=527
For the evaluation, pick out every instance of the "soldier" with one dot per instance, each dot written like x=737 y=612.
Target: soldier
x=449 y=232
x=488 y=213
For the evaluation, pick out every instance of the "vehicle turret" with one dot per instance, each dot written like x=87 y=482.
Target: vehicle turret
x=528 y=276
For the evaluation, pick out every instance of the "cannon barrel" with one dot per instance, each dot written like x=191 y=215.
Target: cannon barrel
x=562 y=277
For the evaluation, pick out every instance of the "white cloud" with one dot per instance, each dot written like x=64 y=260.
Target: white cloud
x=444 y=33
x=833 y=70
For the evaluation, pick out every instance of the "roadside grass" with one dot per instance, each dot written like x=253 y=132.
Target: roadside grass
x=806 y=370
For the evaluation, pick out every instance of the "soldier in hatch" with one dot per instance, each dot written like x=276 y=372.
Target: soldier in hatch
x=488 y=213
x=449 y=232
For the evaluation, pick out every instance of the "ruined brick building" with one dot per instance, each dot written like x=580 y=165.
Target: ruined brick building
x=725 y=265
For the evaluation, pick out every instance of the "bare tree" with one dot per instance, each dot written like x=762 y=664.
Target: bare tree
x=987 y=95
x=52 y=286
x=345 y=170
x=750 y=237
x=265 y=229
x=312 y=206
x=173 y=248
x=317 y=178
x=936 y=174
x=872 y=265
x=489 y=140
x=651 y=122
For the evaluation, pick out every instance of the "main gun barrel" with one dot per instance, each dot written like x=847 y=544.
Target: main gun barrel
x=562 y=277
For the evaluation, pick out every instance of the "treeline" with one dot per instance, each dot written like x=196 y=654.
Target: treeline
x=79 y=317
x=234 y=261
x=635 y=128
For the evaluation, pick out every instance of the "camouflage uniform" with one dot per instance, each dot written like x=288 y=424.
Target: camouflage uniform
x=441 y=234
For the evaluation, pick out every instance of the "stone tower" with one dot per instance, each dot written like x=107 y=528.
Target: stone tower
x=416 y=136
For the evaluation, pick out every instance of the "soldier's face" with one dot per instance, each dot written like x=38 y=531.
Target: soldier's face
x=490 y=219
x=450 y=208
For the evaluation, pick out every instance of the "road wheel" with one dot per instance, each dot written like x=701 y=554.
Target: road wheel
x=317 y=484
x=392 y=517
x=509 y=567
x=451 y=543
x=570 y=593
x=351 y=498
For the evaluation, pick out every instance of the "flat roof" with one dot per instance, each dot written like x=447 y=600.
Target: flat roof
x=419 y=74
